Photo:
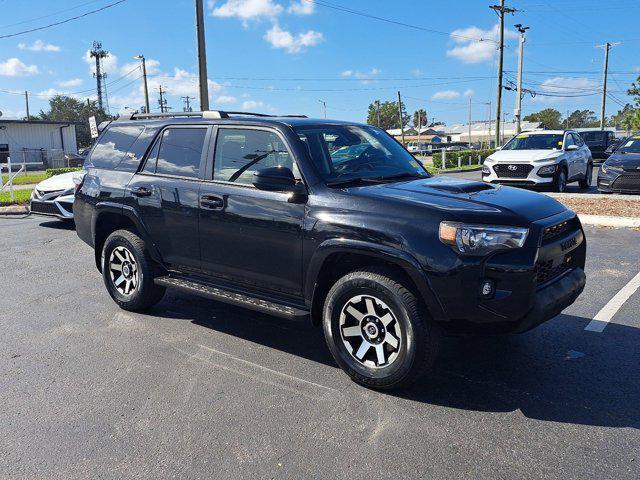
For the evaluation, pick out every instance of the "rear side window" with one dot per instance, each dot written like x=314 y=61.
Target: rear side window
x=113 y=146
x=179 y=152
x=240 y=152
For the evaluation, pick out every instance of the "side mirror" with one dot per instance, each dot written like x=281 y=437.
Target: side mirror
x=571 y=147
x=274 y=179
x=498 y=147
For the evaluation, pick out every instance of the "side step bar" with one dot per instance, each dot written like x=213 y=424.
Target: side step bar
x=234 y=298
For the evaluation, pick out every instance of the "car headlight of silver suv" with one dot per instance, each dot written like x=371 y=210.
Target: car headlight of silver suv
x=547 y=170
x=486 y=170
x=481 y=239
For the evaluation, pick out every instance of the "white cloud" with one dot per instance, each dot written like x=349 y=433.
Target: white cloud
x=468 y=50
x=347 y=73
x=469 y=92
x=39 y=46
x=14 y=67
x=279 y=38
x=226 y=99
x=246 y=9
x=152 y=66
x=445 y=95
x=302 y=7
x=566 y=86
x=252 y=105
x=364 y=77
x=74 y=82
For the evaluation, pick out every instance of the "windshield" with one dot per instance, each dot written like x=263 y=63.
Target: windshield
x=344 y=153
x=630 y=145
x=599 y=137
x=543 y=141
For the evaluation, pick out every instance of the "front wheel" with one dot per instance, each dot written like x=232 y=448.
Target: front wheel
x=560 y=182
x=377 y=330
x=128 y=272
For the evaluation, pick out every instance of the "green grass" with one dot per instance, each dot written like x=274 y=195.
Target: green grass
x=19 y=197
x=26 y=179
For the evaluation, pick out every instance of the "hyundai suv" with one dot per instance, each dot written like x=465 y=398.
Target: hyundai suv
x=541 y=158
x=259 y=211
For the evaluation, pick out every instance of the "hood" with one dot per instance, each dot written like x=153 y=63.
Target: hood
x=64 y=181
x=627 y=161
x=470 y=201
x=524 y=155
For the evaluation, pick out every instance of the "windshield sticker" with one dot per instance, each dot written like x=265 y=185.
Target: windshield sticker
x=560 y=143
x=414 y=164
x=523 y=135
x=637 y=136
x=630 y=142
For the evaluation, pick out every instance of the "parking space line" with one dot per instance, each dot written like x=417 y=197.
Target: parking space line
x=604 y=316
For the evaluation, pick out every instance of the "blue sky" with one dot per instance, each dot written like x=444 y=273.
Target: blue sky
x=286 y=55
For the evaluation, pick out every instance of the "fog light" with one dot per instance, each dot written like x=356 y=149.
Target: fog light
x=487 y=289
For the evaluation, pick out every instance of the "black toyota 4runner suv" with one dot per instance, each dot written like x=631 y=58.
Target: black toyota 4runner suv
x=326 y=220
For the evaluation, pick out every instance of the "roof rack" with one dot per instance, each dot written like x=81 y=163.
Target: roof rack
x=204 y=114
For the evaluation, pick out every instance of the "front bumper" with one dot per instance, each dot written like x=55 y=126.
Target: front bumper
x=52 y=205
x=532 y=284
x=618 y=181
x=519 y=179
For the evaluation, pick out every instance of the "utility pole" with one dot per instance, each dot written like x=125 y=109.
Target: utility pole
x=324 y=104
x=202 y=57
x=489 y=132
x=469 y=123
x=187 y=105
x=144 y=76
x=522 y=31
x=607 y=46
x=26 y=101
x=162 y=101
x=378 y=111
x=419 y=126
x=400 y=117
x=98 y=53
x=500 y=10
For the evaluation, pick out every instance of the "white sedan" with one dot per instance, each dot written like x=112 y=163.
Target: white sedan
x=54 y=196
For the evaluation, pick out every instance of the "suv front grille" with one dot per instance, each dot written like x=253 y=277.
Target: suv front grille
x=553 y=231
x=547 y=271
x=512 y=170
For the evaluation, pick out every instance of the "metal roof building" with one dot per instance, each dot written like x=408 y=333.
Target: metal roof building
x=22 y=138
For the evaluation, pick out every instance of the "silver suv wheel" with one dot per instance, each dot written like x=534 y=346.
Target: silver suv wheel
x=370 y=331
x=123 y=270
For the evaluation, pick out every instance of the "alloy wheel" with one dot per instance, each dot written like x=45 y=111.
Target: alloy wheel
x=123 y=270
x=370 y=331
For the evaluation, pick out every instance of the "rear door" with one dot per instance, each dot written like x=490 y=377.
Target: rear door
x=582 y=157
x=165 y=193
x=570 y=155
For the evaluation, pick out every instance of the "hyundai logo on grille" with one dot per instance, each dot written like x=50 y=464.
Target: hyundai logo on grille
x=513 y=168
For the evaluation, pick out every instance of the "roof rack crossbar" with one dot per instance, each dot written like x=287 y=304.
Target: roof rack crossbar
x=205 y=114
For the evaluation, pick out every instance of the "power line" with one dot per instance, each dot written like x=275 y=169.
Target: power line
x=22 y=22
x=8 y=35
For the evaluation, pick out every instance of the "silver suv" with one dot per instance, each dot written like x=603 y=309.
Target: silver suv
x=541 y=158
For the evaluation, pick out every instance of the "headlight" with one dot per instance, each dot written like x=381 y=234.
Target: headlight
x=485 y=170
x=481 y=239
x=547 y=170
x=604 y=168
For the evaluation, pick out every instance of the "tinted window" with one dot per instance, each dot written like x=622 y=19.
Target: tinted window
x=131 y=160
x=239 y=153
x=595 y=137
x=577 y=139
x=569 y=140
x=114 y=145
x=180 y=151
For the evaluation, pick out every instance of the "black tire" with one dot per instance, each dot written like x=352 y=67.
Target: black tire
x=586 y=182
x=560 y=181
x=142 y=293
x=419 y=337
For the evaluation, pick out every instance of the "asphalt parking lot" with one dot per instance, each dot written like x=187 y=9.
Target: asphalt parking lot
x=197 y=389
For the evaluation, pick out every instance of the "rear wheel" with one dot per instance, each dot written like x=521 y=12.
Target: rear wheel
x=586 y=182
x=560 y=182
x=128 y=272
x=377 y=330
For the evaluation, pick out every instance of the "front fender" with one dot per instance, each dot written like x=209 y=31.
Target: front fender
x=383 y=252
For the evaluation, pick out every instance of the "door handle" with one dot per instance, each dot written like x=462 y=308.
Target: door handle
x=212 y=202
x=141 y=191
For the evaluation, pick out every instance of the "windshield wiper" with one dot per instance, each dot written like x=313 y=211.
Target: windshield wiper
x=401 y=175
x=353 y=181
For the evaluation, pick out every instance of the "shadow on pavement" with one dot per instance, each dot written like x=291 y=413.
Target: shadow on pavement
x=59 y=224
x=558 y=372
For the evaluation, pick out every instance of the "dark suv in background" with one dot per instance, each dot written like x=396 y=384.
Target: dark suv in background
x=598 y=142
x=325 y=220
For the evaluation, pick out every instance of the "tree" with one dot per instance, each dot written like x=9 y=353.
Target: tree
x=582 y=119
x=420 y=118
x=622 y=119
x=549 y=118
x=388 y=115
x=68 y=109
x=634 y=91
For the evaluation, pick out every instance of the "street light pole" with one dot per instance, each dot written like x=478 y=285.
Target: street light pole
x=202 y=57
x=522 y=31
x=324 y=105
x=144 y=76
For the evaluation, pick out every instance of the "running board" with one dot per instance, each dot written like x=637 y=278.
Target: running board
x=233 y=297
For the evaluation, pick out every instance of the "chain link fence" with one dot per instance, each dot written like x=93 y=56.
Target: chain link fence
x=41 y=159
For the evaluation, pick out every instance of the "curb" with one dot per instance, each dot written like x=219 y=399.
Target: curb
x=594 y=196
x=441 y=172
x=14 y=210
x=607 y=221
